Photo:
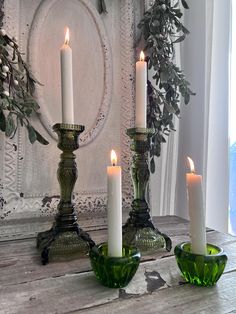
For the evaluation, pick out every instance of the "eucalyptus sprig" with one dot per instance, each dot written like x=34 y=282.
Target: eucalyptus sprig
x=161 y=29
x=17 y=86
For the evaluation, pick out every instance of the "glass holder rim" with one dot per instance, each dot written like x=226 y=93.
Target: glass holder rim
x=218 y=248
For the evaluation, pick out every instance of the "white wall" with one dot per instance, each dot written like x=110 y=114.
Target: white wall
x=192 y=126
x=204 y=124
x=217 y=188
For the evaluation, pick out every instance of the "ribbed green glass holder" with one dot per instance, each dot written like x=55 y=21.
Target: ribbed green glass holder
x=114 y=272
x=139 y=230
x=65 y=240
x=200 y=270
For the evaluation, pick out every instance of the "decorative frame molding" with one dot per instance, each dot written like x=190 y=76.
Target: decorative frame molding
x=127 y=35
x=33 y=52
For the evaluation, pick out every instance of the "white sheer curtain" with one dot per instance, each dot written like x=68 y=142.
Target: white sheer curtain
x=217 y=167
x=203 y=132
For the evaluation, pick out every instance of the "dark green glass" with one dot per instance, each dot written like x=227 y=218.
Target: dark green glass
x=139 y=230
x=200 y=270
x=65 y=240
x=114 y=272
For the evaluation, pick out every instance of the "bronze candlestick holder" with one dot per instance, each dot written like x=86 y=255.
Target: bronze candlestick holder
x=139 y=230
x=65 y=240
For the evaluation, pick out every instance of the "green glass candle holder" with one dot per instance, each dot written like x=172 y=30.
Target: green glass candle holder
x=114 y=272
x=65 y=240
x=139 y=230
x=200 y=270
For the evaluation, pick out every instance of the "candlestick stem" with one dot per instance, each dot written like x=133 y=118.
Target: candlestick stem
x=65 y=239
x=139 y=230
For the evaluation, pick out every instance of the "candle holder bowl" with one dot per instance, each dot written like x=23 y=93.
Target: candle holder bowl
x=139 y=230
x=200 y=270
x=114 y=272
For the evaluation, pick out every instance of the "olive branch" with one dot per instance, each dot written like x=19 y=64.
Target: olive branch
x=17 y=86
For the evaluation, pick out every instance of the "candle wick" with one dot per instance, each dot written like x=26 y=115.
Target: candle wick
x=113 y=164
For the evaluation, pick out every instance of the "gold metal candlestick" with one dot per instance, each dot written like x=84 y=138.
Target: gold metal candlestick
x=65 y=240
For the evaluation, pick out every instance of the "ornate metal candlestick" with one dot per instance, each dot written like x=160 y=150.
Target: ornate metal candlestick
x=65 y=239
x=139 y=230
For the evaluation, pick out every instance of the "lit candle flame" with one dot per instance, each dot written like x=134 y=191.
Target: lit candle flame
x=67 y=36
x=142 y=56
x=113 y=158
x=191 y=164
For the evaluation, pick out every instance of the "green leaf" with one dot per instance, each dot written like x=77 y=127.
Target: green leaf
x=152 y=165
x=102 y=7
x=163 y=140
x=186 y=98
x=178 y=13
x=176 y=108
x=2 y=121
x=164 y=76
x=168 y=107
x=185 y=5
x=4 y=103
x=32 y=134
x=21 y=122
x=40 y=138
x=10 y=125
x=157 y=150
x=30 y=103
x=185 y=30
x=190 y=92
x=178 y=40
x=28 y=111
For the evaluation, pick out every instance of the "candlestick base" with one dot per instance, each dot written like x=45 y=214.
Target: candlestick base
x=65 y=240
x=114 y=272
x=57 y=245
x=139 y=230
x=200 y=270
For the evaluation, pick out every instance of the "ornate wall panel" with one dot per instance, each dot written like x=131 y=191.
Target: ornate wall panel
x=103 y=70
x=92 y=64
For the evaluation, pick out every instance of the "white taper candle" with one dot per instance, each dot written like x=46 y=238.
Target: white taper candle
x=141 y=92
x=114 y=208
x=67 y=81
x=196 y=211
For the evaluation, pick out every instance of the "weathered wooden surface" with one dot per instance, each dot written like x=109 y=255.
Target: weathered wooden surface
x=70 y=287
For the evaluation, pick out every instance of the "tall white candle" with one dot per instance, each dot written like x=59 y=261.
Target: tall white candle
x=114 y=208
x=67 y=82
x=141 y=92
x=196 y=211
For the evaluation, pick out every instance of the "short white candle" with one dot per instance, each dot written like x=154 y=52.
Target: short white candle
x=114 y=208
x=141 y=92
x=196 y=211
x=67 y=82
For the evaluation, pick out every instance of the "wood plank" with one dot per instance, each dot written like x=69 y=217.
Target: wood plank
x=78 y=291
x=54 y=295
x=182 y=299
x=74 y=292
x=20 y=262
x=68 y=287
